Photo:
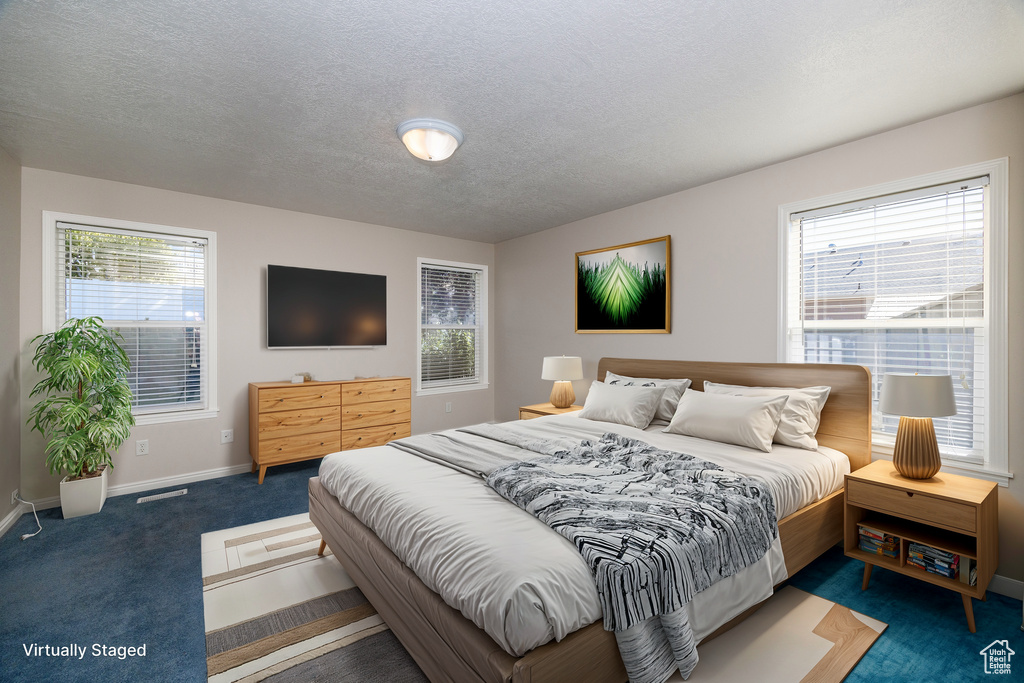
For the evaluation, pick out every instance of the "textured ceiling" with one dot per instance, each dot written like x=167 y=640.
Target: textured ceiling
x=570 y=107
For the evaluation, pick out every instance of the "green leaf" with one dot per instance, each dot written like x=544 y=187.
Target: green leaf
x=85 y=412
x=618 y=290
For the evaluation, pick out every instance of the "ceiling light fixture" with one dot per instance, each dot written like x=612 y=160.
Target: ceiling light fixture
x=430 y=139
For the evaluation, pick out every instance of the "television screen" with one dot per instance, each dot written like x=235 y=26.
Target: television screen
x=323 y=308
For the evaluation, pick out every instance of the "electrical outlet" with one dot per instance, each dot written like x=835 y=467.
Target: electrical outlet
x=14 y=497
x=448 y=406
x=142 y=447
x=227 y=435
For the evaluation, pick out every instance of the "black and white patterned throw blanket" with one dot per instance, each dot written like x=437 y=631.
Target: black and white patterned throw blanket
x=655 y=527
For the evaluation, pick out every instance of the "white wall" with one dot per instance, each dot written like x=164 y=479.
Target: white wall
x=725 y=268
x=248 y=238
x=10 y=404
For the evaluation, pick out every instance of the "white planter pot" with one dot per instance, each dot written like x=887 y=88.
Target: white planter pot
x=84 y=496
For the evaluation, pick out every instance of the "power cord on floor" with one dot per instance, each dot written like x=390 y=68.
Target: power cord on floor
x=26 y=536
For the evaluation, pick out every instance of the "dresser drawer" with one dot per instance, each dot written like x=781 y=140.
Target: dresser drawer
x=917 y=506
x=294 y=422
x=300 y=447
x=373 y=436
x=376 y=414
x=293 y=398
x=382 y=390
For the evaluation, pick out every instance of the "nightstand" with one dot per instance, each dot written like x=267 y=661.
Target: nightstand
x=948 y=513
x=542 y=409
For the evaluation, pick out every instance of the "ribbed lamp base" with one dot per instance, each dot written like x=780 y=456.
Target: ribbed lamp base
x=916 y=455
x=562 y=394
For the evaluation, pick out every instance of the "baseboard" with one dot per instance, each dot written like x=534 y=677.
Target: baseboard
x=13 y=516
x=150 y=484
x=139 y=487
x=1011 y=588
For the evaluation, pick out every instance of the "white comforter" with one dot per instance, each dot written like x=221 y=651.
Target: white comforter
x=514 y=577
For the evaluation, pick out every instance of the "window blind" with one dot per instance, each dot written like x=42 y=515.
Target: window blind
x=897 y=284
x=451 y=326
x=151 y=288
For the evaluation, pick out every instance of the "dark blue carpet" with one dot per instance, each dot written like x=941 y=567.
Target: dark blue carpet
x=927 y=638
x=130 y=576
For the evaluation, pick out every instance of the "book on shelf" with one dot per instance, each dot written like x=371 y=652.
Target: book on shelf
x=877 y=548
x=877 y=542
x=969 y=571
x=931 y=559
x=948 y=572
x=941 y=562
x=877 y=534
x=927 y=551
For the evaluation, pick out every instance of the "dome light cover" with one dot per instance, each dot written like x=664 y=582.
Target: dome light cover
x=430 y=139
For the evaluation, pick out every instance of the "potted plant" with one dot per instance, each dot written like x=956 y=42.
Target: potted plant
x=87 y=410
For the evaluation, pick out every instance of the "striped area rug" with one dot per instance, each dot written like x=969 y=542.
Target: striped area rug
x=277 y=611
x=794 y=636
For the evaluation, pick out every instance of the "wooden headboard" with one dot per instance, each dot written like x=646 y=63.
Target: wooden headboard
x=845 y=420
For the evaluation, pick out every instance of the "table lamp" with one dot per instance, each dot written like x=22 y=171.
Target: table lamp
x=917 y=399
x=562 y=369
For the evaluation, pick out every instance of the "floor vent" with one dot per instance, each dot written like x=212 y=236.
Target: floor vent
x=169 y=494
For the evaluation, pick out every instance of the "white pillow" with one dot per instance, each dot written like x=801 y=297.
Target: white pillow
x=633 y=406
x=743 y=420
x=674 y=388
x=800 y=417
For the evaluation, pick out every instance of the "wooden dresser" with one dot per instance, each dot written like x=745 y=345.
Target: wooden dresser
x=291 y=422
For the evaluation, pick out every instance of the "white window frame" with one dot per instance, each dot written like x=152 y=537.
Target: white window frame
x=996 y=465
x=481 y=326
x=49 y=225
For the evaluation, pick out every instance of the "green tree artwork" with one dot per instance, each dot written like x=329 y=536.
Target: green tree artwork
x=624 y=288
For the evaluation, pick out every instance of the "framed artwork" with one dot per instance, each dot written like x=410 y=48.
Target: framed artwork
x=626 y=288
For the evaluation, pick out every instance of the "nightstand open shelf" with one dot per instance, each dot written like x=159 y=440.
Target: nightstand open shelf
x=950 y=541
x=954 y=514
x=912 y=532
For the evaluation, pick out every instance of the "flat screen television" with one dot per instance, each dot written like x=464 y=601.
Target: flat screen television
x=325 y=308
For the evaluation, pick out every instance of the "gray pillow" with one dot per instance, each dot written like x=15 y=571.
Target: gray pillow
x=674 y=388
x=625 y=405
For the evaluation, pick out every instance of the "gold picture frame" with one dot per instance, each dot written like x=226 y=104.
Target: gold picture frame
x=625 y=289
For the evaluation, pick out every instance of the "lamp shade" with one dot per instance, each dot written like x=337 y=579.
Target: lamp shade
x=917 y=395
x=562 y=368
x=430 y=139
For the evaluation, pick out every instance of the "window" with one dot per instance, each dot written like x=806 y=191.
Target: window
x=909 y=277
x=452 y=324
x=153 y=285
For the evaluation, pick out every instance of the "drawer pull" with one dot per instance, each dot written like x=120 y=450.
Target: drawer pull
x=394 y=410
x=910 y=494
x=359 y=439
x=359 y=393
x=359 y=415
x=321 y=395
x=280 y=400
x=394 y=390
x=321 y=419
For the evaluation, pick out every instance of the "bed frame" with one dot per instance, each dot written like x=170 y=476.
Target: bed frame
x=449 y=647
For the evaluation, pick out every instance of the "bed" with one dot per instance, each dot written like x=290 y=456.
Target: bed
x=449 y=646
